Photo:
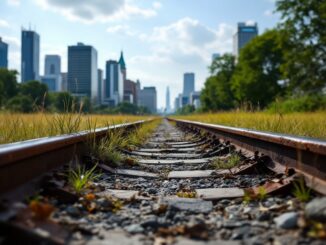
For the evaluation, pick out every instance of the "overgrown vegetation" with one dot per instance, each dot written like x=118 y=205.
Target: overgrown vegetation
x=301 y=191
x=310 y=124
x=80 y=176
x=285 y=64
x=230 y=162
x=17 y=127
x=108 y=149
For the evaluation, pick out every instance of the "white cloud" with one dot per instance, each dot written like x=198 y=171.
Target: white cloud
x=96 y=10
x=4 y=23
x=268 y=13
x=188 y=38
x=121 y=29
x=182 y=46
x=157 y=5
x=13 y=2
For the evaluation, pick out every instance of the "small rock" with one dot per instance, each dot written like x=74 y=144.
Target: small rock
x=287 y=220
x=134 y=228
x=152 y=191
x=316 y=209
x=73 y=211
x=265 y=216
x=190 y=204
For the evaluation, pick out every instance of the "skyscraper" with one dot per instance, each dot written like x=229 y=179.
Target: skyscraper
x=30 y=56
x=3 y=54
x=52 y=73
x=188 y=84
x=244 y=34
x=167 y=101
x=100 y=84
x=148 y=98
x=82 y=71
x=123 y=67
x=113 y=88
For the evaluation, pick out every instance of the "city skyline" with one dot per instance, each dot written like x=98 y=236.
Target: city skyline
x=143 y=33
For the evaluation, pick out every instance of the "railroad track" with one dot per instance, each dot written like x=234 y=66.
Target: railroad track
x=189 y=183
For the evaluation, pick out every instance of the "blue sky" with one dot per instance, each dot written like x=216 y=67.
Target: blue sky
x=161 y=39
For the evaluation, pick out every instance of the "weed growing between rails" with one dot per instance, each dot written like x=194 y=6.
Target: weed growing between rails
x=109 y=149
x=310 y=124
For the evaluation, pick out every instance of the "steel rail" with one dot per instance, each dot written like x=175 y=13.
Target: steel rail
x=306 y=156
x=22 y=161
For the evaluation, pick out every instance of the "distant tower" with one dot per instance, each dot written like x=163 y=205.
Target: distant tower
x=244 y=34
x=30 y=56
x=114 y=84
x=3 y=54
x=188 y=84
x=167 y=100
x=52 y=73
x=123 y=67
x=82 y=71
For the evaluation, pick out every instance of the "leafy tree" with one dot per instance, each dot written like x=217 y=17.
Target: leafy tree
x=257 y=74
x=186 y=110
x=217 y=94
x=304 y=23
x=62 y=101
x=8 y=84
x=20 y=103
x=37 y=91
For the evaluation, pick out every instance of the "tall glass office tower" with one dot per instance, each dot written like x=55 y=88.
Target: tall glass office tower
x=82 y=71
x=244 y=34
x=3 y=54
x=30 y=56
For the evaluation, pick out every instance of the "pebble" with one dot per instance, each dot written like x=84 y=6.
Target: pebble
x=316 y=209
x=134 y=228
x=73 y=211
x=287 y=220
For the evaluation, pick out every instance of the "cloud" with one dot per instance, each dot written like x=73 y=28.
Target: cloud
x=4 y=23
x=13 y=2
x=121 y=29
x=157 y=5
x=268 y=13
x=188 y=38
x=96 y=10
x=183 y=46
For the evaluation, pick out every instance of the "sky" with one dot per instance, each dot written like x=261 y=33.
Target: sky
x=161 y=39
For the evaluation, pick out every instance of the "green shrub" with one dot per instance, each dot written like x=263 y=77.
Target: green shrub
x=299 y=104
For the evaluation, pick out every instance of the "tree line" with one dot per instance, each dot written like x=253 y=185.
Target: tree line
x=34 y=96
x=283 y=68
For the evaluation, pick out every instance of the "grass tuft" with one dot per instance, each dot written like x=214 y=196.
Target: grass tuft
x=79 y=178
x=301 y=191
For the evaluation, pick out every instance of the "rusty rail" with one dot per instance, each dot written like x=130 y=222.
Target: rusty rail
x=305 y=155
x=20 y=162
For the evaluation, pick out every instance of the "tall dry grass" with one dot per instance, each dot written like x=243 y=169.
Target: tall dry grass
x=309 y=124
x=17 y=127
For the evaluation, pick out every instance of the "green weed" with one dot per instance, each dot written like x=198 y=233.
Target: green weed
x=301 y=192
x=79 y=178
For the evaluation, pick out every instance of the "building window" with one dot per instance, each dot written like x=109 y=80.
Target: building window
x=52 y=69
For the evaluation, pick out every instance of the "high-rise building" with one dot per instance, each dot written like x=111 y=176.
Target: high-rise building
x=245 y=32
x=3 y=54
x=52 y=73
x=64 y=82
x=195 y=99
x=123 y=67
x=100 y=84
x=30 y=56
x=215 y=56
x=82 y=71
x=130 y=91
x=113 y=87
x=188 y=84
x=138 y=89
x=167 y=101
x=148 y=98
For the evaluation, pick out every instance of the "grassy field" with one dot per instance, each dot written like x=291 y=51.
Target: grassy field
x=17 y=127
x=304 y=124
